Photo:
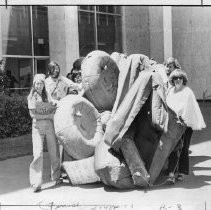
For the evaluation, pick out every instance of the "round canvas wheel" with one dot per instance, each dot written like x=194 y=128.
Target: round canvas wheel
x=78 y=126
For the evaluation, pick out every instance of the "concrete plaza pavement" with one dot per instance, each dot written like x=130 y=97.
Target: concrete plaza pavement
x=193 y=193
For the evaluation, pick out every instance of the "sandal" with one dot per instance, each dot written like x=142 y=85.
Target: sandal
x=171 y=179
x=59 y=181
x=180 y=177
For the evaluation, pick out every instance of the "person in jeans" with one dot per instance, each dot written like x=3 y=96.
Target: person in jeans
x=57 y=87
x=42 y=127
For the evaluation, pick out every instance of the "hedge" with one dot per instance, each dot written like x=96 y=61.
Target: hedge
x=16 y=120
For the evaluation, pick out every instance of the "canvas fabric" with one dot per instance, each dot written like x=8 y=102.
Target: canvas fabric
x=100 y=79
x=78 y=126
x=141 y=114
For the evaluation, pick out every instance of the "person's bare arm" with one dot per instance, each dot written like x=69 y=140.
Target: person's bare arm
x=71 y=84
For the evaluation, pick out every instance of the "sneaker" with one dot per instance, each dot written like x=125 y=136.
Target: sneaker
x=36 y=189
x=180 y=177
x=171 y=179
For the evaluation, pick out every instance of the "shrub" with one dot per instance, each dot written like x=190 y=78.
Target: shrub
x=16 y=120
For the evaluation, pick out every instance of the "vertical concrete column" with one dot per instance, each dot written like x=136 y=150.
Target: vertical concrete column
x=124 y=45
x=63 y=36
x=167 y=31
x=0 y=36
x=71 y=35
x=156 y=33
x=136 y=27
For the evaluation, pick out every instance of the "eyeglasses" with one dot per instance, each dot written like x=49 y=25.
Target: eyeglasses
x=176 y=78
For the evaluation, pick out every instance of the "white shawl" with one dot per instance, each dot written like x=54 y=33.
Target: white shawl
x=185 y=105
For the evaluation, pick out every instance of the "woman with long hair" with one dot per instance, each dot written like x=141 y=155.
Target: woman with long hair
x=42 y=114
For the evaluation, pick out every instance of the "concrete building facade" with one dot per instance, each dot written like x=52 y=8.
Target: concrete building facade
x=156 y=31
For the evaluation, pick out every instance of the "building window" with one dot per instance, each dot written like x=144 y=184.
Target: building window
x=16 y=31
x=40 y=31
x=20 y=70
x=99 y=29
x=25 y=44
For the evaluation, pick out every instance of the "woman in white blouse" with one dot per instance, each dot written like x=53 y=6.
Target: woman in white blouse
x=181 y=99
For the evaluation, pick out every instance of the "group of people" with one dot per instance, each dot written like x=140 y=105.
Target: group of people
x=181 y=99
x=50 y=90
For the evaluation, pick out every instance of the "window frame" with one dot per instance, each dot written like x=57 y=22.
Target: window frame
x=96 y=12
x=32 y=56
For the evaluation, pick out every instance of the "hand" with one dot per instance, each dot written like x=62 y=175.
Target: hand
x=180 y=120
x=52 y=116
x=54 y=102
x=43 y=110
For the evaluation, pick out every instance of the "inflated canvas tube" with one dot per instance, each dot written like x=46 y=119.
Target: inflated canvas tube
x=167 y=143
x=81 y=171
x=100 y=79
x=128 y=109
x=111 y=168
x=105 y=117
x=119 y=58
x=135 y=163
x=77 y=126
x=159 y=110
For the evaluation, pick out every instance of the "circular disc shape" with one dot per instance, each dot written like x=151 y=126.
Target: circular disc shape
x=77 y=126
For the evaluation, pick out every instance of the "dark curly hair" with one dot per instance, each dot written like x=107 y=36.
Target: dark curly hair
x=77 y=63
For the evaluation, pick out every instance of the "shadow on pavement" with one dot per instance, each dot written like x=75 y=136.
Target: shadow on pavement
x=14 y=172
x=56 y=186
x=194 y=181
x=91 y=186
x=112 y=189
x=197 y=159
